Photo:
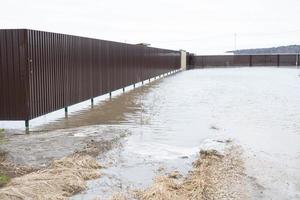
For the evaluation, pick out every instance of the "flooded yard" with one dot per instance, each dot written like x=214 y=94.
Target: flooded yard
x=162 y=126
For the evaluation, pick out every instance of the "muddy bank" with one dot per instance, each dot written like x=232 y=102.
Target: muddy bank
x=11 y=169
x=38 y=149
x=215 y=175
x=60 y=180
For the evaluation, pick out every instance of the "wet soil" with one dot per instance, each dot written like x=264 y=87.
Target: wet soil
x=61 y=178
x=37 y=150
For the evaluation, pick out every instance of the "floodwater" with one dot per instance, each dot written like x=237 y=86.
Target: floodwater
x=256 y=107
x=168 y=120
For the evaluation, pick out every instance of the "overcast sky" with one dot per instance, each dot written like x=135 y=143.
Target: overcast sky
x=199 y=26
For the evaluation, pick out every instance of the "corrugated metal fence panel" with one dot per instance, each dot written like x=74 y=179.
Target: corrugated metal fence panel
x=13 y=75
x=217 y=61
x=221 y=61
x=241 y=60
x=42 y=72
x=265 y=60
x=65 y=70
x=288 y=60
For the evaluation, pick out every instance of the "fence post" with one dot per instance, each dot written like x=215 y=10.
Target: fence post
x=183 y=59
x=278 y=60
x=27 y=124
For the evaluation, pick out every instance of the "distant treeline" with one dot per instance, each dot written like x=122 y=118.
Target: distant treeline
x=273 y=50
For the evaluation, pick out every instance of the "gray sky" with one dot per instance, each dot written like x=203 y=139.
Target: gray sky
x=199 y=26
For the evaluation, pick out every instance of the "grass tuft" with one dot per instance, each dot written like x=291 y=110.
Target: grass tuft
x=4 y=180
x=2 y=136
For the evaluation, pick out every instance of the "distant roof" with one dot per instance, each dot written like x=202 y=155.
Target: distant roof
x=144 y=44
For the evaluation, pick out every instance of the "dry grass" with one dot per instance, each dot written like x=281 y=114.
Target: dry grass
x=215 y=176
x=11 y=169
x=60 y=180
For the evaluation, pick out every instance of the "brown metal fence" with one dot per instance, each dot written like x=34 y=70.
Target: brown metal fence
x=42 y=72
x=282 y=60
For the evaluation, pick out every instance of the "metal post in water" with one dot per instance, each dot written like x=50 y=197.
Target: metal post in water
x=27 y=124
x=110 y=95
x=123 y=90
x=92 y=102
x=66 y=112
x=142 y=82
x=297 y=61
x=149 y=80
x=133 y=85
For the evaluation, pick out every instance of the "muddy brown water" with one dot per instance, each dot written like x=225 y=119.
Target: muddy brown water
x=169 y=120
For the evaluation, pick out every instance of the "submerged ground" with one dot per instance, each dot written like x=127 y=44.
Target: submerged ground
x=163 y=126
